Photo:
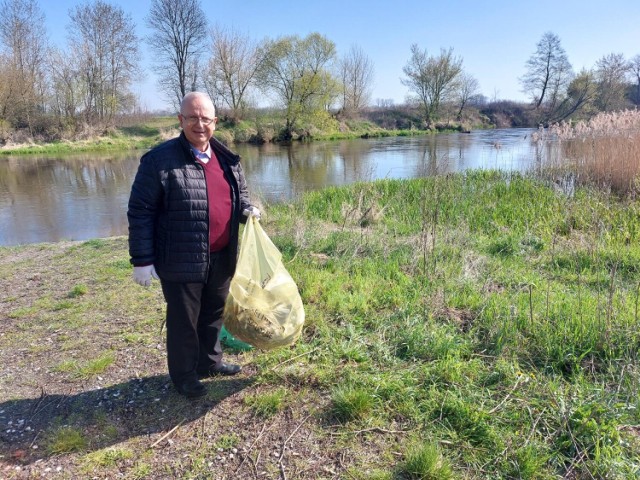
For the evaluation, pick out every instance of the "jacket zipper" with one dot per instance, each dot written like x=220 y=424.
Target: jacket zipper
x=201 y=168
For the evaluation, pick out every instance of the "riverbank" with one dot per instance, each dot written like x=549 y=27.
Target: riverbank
x=146 y=133
x=140 y=135
x=468 y=326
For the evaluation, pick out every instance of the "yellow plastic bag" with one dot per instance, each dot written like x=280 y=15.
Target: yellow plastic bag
x=264 y=308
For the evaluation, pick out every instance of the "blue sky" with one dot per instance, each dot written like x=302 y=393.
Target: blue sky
x=494 y=38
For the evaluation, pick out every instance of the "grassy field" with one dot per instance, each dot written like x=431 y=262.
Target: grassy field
x=472 y=326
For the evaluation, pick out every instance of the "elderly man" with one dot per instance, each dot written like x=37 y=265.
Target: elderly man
x=187 y=201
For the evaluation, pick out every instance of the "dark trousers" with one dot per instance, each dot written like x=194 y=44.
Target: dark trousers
x=194 y=319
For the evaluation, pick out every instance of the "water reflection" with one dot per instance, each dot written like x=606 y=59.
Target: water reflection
x=75 y=197
x=78 y=197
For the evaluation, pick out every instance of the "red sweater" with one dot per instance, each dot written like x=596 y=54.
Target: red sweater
x=219 y=198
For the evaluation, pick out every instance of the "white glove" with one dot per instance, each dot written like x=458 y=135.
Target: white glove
x=252 y=212
x=142 y=275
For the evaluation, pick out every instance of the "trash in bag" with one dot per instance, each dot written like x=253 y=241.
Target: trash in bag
x=232 y=342
x=264 y=308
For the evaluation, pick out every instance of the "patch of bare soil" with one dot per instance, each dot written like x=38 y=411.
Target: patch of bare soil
x=61 y=416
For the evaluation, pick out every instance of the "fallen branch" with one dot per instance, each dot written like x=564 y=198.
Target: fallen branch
x=36 y=409
x=248 y=454
x=168 y=433
x=284 y=445
x=281 y=466
x=293 y=358
x=495 y=409
x=372 y=429
x=254 y=464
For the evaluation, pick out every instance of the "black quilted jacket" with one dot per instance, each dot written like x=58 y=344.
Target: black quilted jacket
x=168 y=210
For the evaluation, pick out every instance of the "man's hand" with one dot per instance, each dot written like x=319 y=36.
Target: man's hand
x=252 y=212
x=142 y=275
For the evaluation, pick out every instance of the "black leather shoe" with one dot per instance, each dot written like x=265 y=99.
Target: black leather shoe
x=220 y=369
x=191 y=388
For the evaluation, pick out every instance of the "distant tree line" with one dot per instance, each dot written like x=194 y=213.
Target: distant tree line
x=44 y=89
x=558 y=93
x=49 y=91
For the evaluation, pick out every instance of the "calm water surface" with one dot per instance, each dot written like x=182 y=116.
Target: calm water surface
x=78 y=197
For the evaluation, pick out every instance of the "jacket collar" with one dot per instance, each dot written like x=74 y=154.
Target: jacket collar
x=219 y=148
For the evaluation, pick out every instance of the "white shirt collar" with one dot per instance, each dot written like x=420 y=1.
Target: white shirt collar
x=204 y=157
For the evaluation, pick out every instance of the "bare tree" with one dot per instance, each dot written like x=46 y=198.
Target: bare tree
x=298 y=72
x=66 y=85
x=103 y=35
x=25 y=52
x=468 y=88
x=384 y=102
x=178 y=38
x=634 y=71
x=7 y=86
x=235 y=59
x=548 y=72
x=611 y=72
x=434 y=80
x=356 y=73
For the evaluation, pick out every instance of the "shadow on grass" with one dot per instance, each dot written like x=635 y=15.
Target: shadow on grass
x=52 y=424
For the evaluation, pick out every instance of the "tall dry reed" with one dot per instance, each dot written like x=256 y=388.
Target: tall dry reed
x=604 y=151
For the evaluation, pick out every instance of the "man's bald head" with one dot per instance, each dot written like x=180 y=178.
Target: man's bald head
x=193 y=97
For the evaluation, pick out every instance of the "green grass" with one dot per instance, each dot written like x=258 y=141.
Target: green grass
x=352 y=403
x=479 y=325
x=78 y=290
x=227 y=441
x=23 y=312
x=267 y=404
x=500 y=271
x=108 y=457
x=66 y=440
x=88 y=368
x=424 y=462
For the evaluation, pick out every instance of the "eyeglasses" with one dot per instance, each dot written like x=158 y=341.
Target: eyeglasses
x=195 y=120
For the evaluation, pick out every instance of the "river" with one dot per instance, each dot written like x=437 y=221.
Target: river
x=83 y=196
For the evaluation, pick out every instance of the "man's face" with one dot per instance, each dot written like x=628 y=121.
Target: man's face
x=193 y=119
